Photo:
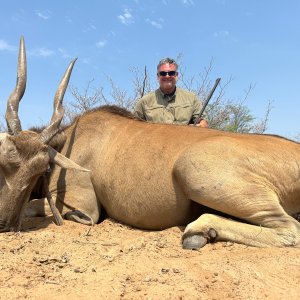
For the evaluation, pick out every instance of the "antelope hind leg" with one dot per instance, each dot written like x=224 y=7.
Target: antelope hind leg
x=286 y=232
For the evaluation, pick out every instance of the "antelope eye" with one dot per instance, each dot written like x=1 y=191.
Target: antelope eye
x=11 y=149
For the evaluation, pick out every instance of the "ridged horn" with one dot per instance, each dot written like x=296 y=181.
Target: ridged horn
x=63 y=161
x=58 y=110
x=11 y=115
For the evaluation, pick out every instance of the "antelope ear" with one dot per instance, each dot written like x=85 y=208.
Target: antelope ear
x=63 y=162
x=3 y=135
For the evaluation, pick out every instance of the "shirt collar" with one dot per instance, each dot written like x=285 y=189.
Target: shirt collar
x=169 y=97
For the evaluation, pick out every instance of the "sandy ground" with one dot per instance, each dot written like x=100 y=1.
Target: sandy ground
x=113 y=261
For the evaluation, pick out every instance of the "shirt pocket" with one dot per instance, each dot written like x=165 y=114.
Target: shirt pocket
x=158 y=114
x=183 y=113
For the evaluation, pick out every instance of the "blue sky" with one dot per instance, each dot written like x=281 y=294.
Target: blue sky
x=255 y=42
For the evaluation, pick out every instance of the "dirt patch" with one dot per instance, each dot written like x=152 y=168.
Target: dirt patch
x=113 y=261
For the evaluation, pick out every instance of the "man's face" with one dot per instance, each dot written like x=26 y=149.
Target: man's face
x=167 y=81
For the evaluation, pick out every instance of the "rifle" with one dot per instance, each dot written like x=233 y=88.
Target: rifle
x=207 y=100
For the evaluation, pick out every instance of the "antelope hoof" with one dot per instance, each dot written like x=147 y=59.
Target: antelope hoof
x=198 y=240
x=194 y=242
x=79 y=217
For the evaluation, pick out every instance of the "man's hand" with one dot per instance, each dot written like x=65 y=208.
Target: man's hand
x=203 y=123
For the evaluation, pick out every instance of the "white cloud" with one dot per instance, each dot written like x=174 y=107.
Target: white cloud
x=42 y=15
x=126 y=18
x=86 y=61
x=42 y=52
x=69 y=19
x=188 y=2
x=4 y=46
x=64 y=53
x=221 y=34
x=155 y=24
x=101 y=43
x=90 y=27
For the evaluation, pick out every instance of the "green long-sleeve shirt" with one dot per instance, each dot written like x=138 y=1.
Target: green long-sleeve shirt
x=183 y=107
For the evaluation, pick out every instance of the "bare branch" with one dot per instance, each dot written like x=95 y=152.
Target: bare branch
x=261 y=127
x=83 y=101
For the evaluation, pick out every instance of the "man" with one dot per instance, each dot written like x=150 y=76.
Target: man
x=169 y=103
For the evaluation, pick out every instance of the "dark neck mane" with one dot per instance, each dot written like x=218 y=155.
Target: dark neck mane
x=113 y=109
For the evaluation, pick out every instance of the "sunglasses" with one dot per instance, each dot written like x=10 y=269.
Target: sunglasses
x=170 y=73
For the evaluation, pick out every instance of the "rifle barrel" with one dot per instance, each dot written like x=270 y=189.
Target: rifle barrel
x=207 y=100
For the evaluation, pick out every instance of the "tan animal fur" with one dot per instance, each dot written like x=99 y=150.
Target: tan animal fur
x=152 y=176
